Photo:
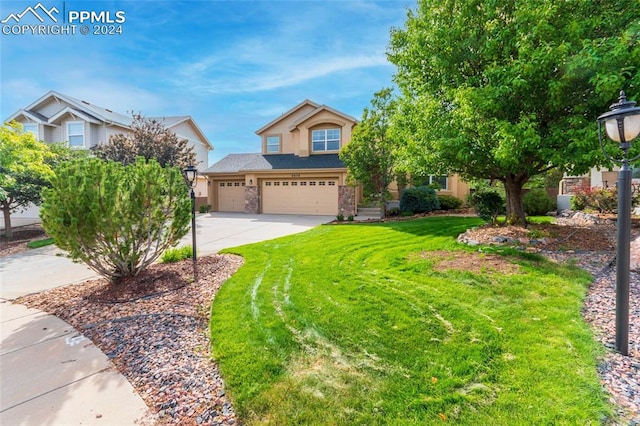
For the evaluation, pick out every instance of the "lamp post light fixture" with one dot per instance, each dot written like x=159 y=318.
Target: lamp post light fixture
x=622 y=125
x=190 y=173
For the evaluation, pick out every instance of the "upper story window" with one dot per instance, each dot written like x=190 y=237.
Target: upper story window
x=273 y=143
x=325 y=140
x=75 y=133
x=30 y=127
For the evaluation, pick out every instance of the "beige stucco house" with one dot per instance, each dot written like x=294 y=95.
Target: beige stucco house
x=298 y=170
x=56 y=117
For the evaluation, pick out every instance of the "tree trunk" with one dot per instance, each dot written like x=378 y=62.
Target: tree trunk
x=8 y=232
x=515 y=209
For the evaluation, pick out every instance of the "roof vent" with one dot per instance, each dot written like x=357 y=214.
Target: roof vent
x=85 y=102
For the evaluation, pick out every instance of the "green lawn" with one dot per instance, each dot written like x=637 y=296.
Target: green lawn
x=352 y=324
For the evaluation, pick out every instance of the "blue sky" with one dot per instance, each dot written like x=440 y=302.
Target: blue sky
x=232 y=65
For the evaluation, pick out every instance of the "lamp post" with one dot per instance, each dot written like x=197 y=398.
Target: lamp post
x=190 y=173
x=622 y=125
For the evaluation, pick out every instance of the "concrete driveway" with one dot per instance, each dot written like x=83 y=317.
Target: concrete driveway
x=47 y=267
x=52 y=374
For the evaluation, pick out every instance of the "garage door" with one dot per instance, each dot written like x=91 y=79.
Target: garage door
x=231 y=196
x=300 y=196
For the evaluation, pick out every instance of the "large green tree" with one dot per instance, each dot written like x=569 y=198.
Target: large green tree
x=149 y=138
x=370 y=156
x=117 y=219
x=509 y=89
x=25 y=168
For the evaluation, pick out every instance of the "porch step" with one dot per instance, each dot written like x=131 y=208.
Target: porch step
x=368 y=213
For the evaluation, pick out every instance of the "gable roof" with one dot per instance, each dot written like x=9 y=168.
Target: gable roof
x=97 y=112
x=236 y=163
x=287 y=114
x=317 y=111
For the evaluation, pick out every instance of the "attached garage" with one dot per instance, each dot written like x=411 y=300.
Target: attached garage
x=300 y=196
x=231 y=196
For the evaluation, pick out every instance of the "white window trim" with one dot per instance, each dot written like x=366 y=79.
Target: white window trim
x=84 y=136
x=435 y=178
x=325 y=139
x=266 y=144
x=37 y=132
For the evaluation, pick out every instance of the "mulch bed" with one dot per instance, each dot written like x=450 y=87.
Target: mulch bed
x=156 y=334
x=21 y=237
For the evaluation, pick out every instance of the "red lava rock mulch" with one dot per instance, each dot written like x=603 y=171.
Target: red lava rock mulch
x=155 y=331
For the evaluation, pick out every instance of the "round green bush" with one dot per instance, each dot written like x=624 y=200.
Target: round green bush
x=419 y=199
x=537 y=202
x=449 y=202
x=488 y=203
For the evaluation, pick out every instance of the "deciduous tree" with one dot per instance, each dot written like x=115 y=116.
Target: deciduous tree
x=370 y=156
x=149 y=138
x=24 y=170
x=507 y=90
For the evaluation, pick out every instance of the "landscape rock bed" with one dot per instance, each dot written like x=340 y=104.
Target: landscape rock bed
x=158 y=337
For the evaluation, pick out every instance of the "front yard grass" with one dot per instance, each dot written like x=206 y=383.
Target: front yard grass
x=399 y=324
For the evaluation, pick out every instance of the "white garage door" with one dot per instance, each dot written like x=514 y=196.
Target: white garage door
x=231 y=196
x=300 y=196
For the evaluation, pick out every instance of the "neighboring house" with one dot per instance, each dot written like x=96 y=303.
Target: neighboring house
x=298 y=170
x=596 y=178
x=55 y=117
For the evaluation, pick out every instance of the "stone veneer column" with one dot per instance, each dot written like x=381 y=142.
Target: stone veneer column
x=571 y=185
x=347 y=200
x=251 y=200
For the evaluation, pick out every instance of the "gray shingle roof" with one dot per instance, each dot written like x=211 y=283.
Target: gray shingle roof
x=234 y=163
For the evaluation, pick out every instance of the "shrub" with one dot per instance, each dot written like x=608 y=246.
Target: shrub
x=117 y=219
x=204 y=208
x=350 y=218
x=580 y=199
x=488 y=204
x=537 y=202
x=449 y=202
x=340 y=217
x=419 y=199
x=393 y=211
x=604 y=200
x=176 y=254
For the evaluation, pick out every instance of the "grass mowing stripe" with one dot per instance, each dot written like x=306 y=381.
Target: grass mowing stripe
x=362 y=329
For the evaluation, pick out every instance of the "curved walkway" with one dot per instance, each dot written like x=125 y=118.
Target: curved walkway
x=52 y=374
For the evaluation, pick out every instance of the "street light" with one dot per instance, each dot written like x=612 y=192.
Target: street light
x=190 y=173
x=622 y=125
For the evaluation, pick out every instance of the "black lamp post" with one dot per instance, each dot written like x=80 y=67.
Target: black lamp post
x=622 y=125
x=190 y=173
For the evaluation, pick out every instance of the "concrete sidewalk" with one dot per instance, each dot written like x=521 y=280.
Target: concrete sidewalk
x=52 y=374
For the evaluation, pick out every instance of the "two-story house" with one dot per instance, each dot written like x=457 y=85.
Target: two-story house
x=298 y=170
x=56 y=117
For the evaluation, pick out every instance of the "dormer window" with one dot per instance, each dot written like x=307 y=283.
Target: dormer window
x=273 y=143
x=326 y=140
